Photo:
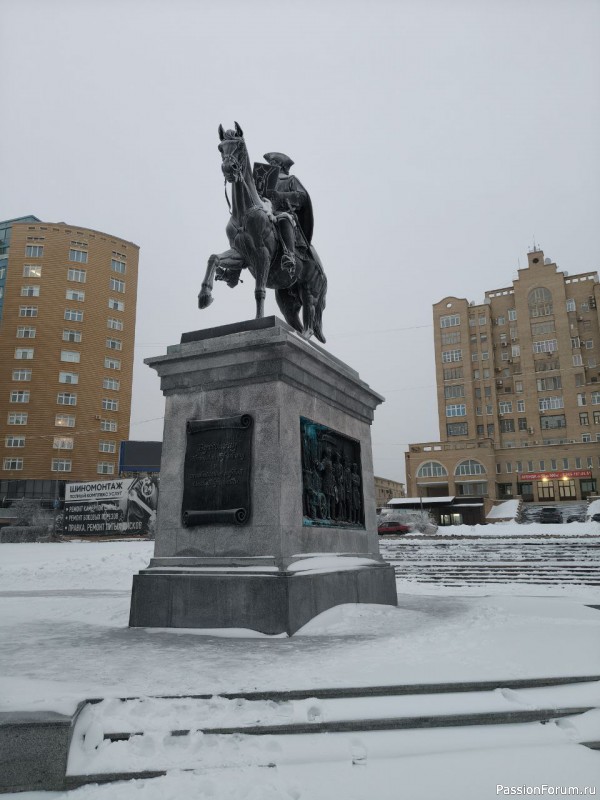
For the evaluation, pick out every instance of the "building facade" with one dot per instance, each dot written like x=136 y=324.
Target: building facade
x=518 y=389
x=67 y=325
x=386 y=490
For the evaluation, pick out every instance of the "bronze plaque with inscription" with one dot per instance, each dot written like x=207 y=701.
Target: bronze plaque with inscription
x=216 y=480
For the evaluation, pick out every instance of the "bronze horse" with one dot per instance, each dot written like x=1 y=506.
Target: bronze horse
x=255 y=244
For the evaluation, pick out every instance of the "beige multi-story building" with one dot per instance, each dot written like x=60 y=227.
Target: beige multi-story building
x=67 y=323
x=386 y=490
x=518 y=387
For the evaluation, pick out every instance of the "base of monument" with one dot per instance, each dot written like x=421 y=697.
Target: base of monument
x=272 y=603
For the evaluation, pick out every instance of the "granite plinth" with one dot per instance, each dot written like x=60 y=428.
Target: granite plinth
x=264 y=369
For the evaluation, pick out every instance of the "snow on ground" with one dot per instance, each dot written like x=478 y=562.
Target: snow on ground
x=64 y=637
x=512 y=528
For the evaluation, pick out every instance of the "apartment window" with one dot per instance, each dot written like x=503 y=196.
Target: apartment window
x=478 y=411
x=571 y=304
x=482 y=320
x=449 y=320
x=584 y=418
x=32 y=271
x=19 y=396
x=552 y=463
x=107 y=447
x=589 y=343
x=12 y=463
x=70 y=355
x=474 y=357
x=504 y=355
x=73 y=294
x=507 y=426
x=579 y=379
x=577 y=462
x=118 y=266
x=548 y=403
x=485 y=355
x=451 y=355
x=21 y=375
x=585 y=306
x=456 y=410
x=25 y=332
x=66 y=399
x=480 y=430
x=116 y=305
x=540 y=302
x=545 y=384
x=545 y=346
x=17 y=418
x=30 y=291
x=64 y=420
x=77 y=275
x=487 y=390
x=586 y=437
x=521 y=406
x=105 y=468
x=592 y=362
x=505 y=407
x=110 y=405
x=539 y=328
x=68 y=377
x=24 y=353
x=451 y=338
x=518 y=387
x=596 y=417
x=108 y=425
x=489 y=409
x=530 y=466
x=577 y=360
x=457 y=429
x=71 y=336
x=575 y=342
x=114 y=344
x=14 y=441
x=522 y=423
x=63 y=443
x=490 y=430
x=553 y=422
x=34 y=250
x=114 y=324
x=512 y=314
x=80 y=256
x=469 y=467
x=61 y=465
x=581 y=399
x=458 y=390
x=112 y=363
x=500 y=321
x=117 y=285
x=111 y=383
x=28 y=311
x=516 y=351
x=590 y=459
x=72 y=315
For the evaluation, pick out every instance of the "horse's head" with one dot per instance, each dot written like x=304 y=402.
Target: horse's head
x=233 y=152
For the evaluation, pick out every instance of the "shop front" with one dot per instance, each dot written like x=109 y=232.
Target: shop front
x=574 y=484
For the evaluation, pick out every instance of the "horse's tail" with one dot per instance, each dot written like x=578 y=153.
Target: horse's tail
x=319 y=307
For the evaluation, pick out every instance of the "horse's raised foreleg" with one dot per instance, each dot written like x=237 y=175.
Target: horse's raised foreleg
x=205 y=297
x=223 y=263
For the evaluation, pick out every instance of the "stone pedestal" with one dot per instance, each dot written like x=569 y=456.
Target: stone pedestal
x=277 y=569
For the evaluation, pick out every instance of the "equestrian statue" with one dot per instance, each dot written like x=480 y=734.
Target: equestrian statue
x=270 y=234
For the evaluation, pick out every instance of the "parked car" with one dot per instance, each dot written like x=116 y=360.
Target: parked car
x=551 y=515
x=391 y=526
x=413 y=519
x=578 y=518
x=595 y=517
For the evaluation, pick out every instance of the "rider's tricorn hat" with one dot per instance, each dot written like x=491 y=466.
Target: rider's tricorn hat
x=280 y=159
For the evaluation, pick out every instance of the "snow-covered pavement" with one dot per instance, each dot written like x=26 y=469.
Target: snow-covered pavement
x=64 y=637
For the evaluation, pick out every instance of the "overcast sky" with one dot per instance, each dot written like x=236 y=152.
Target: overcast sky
x=436 y=140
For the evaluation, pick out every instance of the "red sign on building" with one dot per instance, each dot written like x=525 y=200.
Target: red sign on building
x=555 y=476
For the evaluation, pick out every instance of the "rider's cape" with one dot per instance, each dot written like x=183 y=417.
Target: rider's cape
x=268 y=179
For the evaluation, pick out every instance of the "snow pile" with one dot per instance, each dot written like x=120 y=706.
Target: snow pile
x=507 y=510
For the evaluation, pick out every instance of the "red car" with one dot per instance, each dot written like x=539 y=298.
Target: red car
x=392 y=527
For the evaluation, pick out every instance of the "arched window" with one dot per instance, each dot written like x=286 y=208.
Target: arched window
x=432 y=469
x=469 y=467
x=540 y=302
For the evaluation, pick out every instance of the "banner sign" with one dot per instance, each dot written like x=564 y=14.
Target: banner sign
x=552 y=476
x=121 y=507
